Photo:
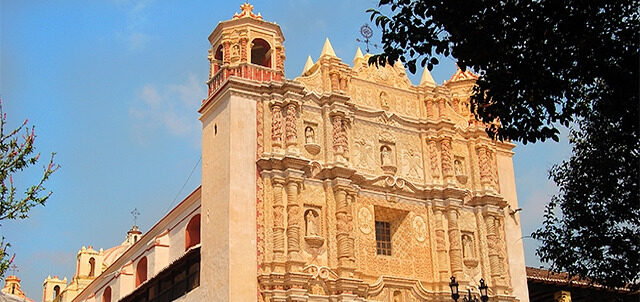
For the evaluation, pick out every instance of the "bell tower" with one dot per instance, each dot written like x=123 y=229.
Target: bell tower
x=246 y=60
x=245 y=46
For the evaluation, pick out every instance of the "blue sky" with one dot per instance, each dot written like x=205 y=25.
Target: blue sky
x=113 y=88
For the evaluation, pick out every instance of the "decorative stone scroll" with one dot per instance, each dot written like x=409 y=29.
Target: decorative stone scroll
x=276 y=127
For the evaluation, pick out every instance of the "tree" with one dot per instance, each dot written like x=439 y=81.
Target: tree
x=16 y=154
x=545 y=64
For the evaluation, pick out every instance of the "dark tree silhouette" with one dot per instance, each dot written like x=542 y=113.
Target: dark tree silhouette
x=545 y=64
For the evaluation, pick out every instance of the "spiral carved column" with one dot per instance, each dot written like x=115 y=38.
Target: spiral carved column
x=344 y=228
x=493 y=242
x=293 y=220
x=441 y=248
x=455 y=251
x=278 y=219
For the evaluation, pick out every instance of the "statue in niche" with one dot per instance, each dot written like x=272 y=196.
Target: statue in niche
x=309 y=135
x=384 y=100
x=311 y=219
x=235 y=50
x=467 y=246
x=397 y=296
x=385 y=155
x=457 y=165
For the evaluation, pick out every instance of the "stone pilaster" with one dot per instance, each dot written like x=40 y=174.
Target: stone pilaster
x=455 y=246
x=493 y=244
x=446 y=157
x=441 y=248
x=340 y=139
x=344 y=228
x=294 y=220
x=278 y=222
x=434 y=162
x=276 y=127
x=442 y=103
x=291 y=128
x=485 y=166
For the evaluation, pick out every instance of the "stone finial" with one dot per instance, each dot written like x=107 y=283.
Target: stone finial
x=327 y=49
x=247 y=11
x=307 y=65
x=427 y=79
x=358 y=55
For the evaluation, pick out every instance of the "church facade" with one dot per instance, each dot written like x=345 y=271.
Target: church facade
x=347 y=183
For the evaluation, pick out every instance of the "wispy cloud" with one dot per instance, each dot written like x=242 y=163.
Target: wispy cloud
x=136 y=15
x=170 y=109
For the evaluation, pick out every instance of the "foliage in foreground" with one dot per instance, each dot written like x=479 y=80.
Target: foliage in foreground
x=16 y=154
x=543 y=64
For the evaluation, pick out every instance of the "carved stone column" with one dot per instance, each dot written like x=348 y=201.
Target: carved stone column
x=226 y=52
x=442 y=109
x=493 y=244
x=340 y=139
x=278 y=219
x=432 y=109
x=335 y=80
x=280 y=57
x=344 y=229
x=455 y=247
x=485 y=165
x=276 y=127
x=243 y=50
x=433 y=158
x=446 y=157
x=441 y=248
x=291 y=128
x=294 y=218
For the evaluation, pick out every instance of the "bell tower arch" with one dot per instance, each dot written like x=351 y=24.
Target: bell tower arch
x=246 y=60
x=245 y=46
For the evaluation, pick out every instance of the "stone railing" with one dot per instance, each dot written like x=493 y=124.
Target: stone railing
x=247 y=71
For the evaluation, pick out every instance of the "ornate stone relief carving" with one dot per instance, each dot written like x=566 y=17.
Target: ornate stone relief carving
x=433 y=158
x=446 y=157
x=486 y=167
x=365 y=220
x=420 y=228
x=276 y=127
x=291 y=129
x=412 y=164
x=340 y=139
x=363 y=154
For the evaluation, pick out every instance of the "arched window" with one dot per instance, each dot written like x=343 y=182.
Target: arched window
x=92 y=267
x=106 y=295
x=192 y=233
x=261 y=53
x=56 y=291
x=141 y=271
x=219 y=53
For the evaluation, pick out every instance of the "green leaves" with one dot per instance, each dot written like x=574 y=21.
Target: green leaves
x=16 y=154
x=543 y=64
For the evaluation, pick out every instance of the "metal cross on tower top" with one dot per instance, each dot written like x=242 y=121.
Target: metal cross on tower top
x=14 y=269
x=135 y=215
x=367 y=33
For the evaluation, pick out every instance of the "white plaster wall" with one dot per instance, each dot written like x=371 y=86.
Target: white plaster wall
x=228 y=265
x=513 y=230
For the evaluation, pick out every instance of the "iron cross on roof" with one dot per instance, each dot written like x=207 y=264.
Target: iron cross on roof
x=135 y=215
x=14 y=269
x=367 y=33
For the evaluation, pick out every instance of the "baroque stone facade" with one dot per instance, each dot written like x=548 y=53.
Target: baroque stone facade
x=342 y=149
x=347 y=183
